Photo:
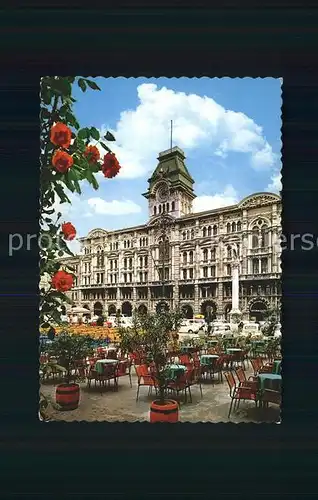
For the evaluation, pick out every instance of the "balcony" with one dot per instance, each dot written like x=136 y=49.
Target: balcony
x=209 y=279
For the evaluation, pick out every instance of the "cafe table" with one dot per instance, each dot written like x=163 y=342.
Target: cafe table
x=233 y=350
x=267 y=376
x=99 y=364
x=277 y=366
x=173 y=371
x=207 y=359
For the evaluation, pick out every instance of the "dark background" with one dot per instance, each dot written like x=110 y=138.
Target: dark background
x=83 y=459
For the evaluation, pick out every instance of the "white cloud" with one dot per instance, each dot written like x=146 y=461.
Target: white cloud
x=197 y=121
x=276 y=184
x=114 y=207
x=218 y=200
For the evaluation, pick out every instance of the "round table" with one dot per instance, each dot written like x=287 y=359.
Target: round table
x=207 y=359
x=100 y=362
x=267 y=376
x=174 y=370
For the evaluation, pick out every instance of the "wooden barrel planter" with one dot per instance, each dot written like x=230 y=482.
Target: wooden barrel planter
x=169 y=412
x=67 y=396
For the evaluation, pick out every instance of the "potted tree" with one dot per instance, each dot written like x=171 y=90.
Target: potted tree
x=153 y=332
x=69 y=349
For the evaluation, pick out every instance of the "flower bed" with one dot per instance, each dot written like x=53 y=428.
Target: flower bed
x=95 y=332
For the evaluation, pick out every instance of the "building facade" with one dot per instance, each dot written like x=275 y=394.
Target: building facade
x=130 y=269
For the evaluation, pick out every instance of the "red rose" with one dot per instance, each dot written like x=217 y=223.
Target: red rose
x=62 y=281
x=61 y=135
x=68 y=231
x=62 y=161
x=110 y=167
x=92 y=154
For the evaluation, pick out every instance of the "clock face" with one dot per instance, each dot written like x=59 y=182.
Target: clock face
x=163 y=193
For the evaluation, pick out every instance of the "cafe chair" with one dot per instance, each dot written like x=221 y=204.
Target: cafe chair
x=238 y=393
x=145 y=379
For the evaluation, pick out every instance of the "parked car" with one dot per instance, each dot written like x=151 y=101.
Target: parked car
x=192 y=326
x=221 y=329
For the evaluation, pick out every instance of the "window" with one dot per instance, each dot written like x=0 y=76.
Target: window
x=146 y=276
x=228 y=227
x=191 y=257
x=205 y=272
x=215 y=230
x=239 y=226
x=213 y=253
x=167 y=207
x=264 y=266
x=130 y=263
x=160 y=209
x=125 y=263
x=205 y=255
x=191 y=274
x=166 y=274
x=228 y=270
x=209 y=231
x=255 y=238
x=255 y=266
x=184 y=255
x=264 y=237
x=146 y=261
x=229 y=252
x=188 y=235
x=184 y=274
x=213 y=271
x=233 y=227
x=155 y=210
x=163 y=208
x=204 y=232
x=173 y=205
x=184 y=235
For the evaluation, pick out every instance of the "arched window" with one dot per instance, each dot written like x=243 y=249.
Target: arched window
x=192 y=234
x=163 y=208
x=173 y=206
x=229 y=252
x=228 y=227
x=213 y=253
x=184 y=255
x=264 y=237
x=188 y=235
x=233 y=227
x=204 y=232
x=191 y=257
x=205 y=254
x=209 y=231
x=167 y=207
x=125 y=263
x=255 y=237
x=155 y=210
x=239 y=226
x=184 y=235
x=215 y=230
x=160 y=209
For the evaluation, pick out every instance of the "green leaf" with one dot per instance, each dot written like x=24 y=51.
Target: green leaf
x=83 y=133
x=109 y=137
x=82 y=84
x=105 y=147
x=61 y=194
x=77 y=186
x=94 y=133
x=92 y=85
x=68 y=183
x=95 y=183
x=61 y=85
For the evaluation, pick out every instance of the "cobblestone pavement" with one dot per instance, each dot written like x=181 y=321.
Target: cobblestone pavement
x=108 y=405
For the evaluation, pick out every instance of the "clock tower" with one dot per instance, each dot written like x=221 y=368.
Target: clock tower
x=170 y=186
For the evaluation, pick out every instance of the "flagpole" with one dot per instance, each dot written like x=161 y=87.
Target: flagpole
x=171 y=136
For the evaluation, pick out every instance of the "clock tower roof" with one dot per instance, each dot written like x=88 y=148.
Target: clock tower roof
x=172 y=168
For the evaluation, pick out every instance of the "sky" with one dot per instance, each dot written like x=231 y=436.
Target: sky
x=229 y=129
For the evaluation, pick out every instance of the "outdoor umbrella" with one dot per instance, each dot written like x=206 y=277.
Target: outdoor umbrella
x=80 y=310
